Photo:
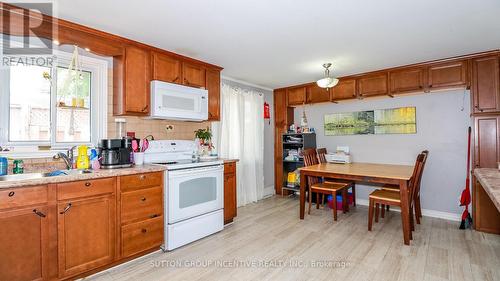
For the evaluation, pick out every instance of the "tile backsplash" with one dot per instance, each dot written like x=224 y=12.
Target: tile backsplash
x=143 y=126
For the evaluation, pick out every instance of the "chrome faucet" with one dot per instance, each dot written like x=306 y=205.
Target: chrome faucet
x=68 y=157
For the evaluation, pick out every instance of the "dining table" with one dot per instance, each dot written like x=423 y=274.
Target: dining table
x=396 y=175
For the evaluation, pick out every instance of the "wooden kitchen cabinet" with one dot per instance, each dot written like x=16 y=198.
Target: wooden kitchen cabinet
x=141 y=213
x=373 y=85
x=86 y=231
x=193 y=75
x=296 y=96
x=230 y=201
x=486 y=84
x=447 y=75
x=486 y=215
x=213 y=87
x=407 y=80
x=131 y=82
x=315 y=94
x=24 y=243
x=166 y=68
x=487 y=141
x=344 y=90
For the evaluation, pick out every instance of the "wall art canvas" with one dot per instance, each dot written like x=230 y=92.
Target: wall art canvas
x=380 y=121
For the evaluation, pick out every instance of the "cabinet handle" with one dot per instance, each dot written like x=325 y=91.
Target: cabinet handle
x=154 y=216
x=142 y=177
x=144 y=230
x=38 y=213
x=11 y=193
x=145 y=108
x=430 y=86
x=87 y=184
x=176 y=78
x=143 y=199
x=66 y=209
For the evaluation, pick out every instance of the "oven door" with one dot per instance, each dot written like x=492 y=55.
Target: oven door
x=193 y=192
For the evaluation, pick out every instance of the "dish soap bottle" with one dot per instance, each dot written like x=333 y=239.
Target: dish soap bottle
x=82 y=161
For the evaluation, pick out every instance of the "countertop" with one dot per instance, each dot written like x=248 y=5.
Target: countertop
x=490 y=181
x=77 y=177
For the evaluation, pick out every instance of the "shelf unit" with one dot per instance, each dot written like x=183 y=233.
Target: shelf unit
x=308 y=140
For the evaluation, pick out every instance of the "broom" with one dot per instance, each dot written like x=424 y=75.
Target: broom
x=465 y=198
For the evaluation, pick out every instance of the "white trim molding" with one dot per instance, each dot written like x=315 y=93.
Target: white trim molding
x=425 y=212
x=223 y=77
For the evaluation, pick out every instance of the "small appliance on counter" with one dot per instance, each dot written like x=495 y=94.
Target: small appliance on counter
x=341 y=156
x=115 y=153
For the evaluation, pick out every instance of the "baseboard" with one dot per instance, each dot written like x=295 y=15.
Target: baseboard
x=268 y=191
x=425 y=212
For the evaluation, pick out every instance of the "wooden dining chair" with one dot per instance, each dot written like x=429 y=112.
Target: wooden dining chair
x=352 y=185
x=318 y=187
x=416 y=205
x=388 y=197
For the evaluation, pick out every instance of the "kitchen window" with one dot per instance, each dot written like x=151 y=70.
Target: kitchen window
x=52 y=104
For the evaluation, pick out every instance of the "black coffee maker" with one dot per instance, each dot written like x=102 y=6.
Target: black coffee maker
x=115 y=153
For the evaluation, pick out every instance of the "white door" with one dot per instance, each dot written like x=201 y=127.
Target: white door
x=193 y=192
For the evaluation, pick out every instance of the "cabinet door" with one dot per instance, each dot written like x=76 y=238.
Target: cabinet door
x=137 y=78
x=24 y=244
x=166 y=68
x=86 y=234
x=316 y=94
x=407 y=80
x=296 y=96
x=213 y=87
x=280 y=119
x=486 y=215
x=446 y=75
x=373 y=85
x=485 y=84
x=487 y=141
x=344 y=90
x=193 y=75
x=229 y=197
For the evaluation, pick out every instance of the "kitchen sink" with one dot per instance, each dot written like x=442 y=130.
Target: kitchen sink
x=30 y=176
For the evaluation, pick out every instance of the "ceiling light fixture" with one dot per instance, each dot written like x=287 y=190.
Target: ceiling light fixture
x=327 y=82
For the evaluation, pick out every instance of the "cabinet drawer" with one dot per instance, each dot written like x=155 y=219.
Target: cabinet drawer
x=141 y=236
x=85 y=188
x=23 y=196
x=141 y=204
x=230 y=168
x=133 y=182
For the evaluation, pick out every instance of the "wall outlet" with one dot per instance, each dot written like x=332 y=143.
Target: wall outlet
x=169 y=128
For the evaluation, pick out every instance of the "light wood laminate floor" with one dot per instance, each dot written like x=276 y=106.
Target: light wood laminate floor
x=270 y=231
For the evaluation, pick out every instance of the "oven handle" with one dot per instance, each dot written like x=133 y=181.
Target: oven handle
x=175 y=173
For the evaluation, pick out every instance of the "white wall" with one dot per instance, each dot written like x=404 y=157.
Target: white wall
x=441 y=129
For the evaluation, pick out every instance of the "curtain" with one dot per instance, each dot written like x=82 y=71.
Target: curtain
x=241 y=135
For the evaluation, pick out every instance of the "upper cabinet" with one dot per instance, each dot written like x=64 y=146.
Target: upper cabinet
x=447 y=75
x=166 y=68
x=296 y=96
x=373 y=85
x=193 y=75
x=213 y=87
x=131 y=79
x=315 y=94
x=407 y=80
x=345 y=89
x=485 y=84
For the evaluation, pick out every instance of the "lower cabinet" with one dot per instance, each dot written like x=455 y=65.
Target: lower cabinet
x=68 y=230
x=86 y=234
x=486 y=215
x=24 y=244
x=230 y=203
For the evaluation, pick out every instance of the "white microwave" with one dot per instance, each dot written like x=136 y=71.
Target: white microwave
x=178 y=102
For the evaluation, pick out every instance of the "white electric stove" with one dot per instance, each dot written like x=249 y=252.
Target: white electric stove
x=194 y=192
